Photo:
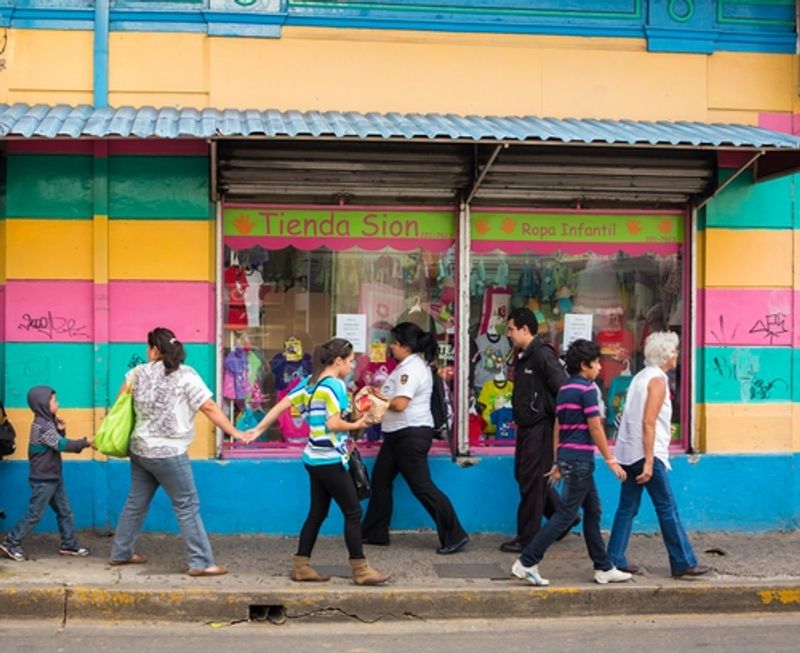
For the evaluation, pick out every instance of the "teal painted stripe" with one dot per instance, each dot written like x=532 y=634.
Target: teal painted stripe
x=796 y=385
x=170 y=187
x=65 y=367
x=49 y=186
x=123 y=356
x=69 y=369
x=745 y=205
x=2 y=370
x=745 y=374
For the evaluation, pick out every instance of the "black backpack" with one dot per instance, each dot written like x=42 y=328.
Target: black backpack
x=8 y=435
x=441 y=429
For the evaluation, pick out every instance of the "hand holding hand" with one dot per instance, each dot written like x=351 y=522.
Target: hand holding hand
x=61 y=424
x=251 y=435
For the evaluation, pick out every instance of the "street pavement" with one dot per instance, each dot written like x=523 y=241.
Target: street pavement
x=751 y=573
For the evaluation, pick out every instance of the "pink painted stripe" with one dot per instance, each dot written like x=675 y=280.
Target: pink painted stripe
x=568 y=406
x=100 y=294
x=49 y=311
x=573 y=427
x=336 y=244
x=796 y=319
x=785 y=122
x=748 y=317
x=573 y=445
x=51 y=146
x=136 y=307
x=576 y=386
x=607 y=249
x=179 y=147
x=2 y=313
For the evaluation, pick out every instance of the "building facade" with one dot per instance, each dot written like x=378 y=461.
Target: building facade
x=363 y=173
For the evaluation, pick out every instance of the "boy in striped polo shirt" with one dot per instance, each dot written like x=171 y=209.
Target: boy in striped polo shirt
x=578 y=430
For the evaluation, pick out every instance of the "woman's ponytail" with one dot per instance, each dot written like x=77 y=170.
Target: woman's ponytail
x=170 y=348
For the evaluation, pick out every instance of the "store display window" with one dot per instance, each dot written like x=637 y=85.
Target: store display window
x=613 y=278
x=295 y=277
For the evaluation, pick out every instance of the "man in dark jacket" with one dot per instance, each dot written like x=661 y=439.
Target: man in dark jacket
x=538 y=375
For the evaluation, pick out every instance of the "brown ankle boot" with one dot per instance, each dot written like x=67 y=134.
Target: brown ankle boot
x=303 y=571
x=363 y=574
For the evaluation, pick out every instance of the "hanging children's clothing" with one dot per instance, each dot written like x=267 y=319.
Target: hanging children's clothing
x=236 y=286
x=287 y=367
x=252 y=300
x=493 y=350
x=494 y=395
x=292 y=423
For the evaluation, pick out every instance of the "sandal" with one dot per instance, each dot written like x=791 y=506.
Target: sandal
x=213 y=570
x=135 y=559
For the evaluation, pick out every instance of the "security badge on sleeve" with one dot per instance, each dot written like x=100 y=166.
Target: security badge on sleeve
x=403 y=379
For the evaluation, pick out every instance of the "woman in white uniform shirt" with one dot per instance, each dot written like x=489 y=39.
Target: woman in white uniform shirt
x=408 y=434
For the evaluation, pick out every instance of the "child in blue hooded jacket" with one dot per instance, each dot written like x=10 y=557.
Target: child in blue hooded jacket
x=48 y=439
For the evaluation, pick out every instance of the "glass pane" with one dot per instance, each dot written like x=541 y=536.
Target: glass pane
x=280 y=304
x=626 y=296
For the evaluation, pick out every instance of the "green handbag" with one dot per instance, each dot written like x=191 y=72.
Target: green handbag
x=114 y=435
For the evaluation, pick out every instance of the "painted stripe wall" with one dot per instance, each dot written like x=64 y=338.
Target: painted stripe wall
x=748 y=308
x=103 y=242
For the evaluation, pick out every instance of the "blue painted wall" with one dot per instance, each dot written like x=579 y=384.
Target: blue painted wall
x=667 y=25
x=715 y=492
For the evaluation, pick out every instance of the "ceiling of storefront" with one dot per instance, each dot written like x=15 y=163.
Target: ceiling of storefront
x=359 y=172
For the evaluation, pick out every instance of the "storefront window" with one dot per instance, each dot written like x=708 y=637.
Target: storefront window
x=294 y=278
x=607 y=277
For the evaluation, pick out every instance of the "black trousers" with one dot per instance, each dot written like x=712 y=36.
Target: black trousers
x=406 y=452
x=533 y=457
x=331 y=482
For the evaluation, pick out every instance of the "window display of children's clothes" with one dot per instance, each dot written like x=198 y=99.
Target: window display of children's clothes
x=616 y=349
x=292 y=423
x=374 y=374
x=494 y=395
x=287 y=370
x=496 y=303
x=493 y=350
x=243 y=375
x=252 y=300
x=617 y=391
x=503 y=423
x=236 y=286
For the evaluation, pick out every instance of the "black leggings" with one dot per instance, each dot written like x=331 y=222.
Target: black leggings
x=332 y=482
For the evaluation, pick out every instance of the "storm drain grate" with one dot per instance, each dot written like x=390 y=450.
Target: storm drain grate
x=471 y=570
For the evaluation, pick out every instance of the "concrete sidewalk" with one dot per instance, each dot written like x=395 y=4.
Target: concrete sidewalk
x=751 y=573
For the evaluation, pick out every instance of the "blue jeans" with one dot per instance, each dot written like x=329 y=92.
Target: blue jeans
x=579 y=491
x=681 y=555
x=174 y=474
x=44 y=493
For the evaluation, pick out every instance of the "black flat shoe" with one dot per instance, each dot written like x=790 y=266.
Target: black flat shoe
x=691 y=572
x=512 y=546
x=452 y=548
x=631 y=569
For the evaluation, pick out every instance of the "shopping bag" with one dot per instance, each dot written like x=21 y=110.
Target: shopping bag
x=370 y=402
x=114 y=435
x=359 y=474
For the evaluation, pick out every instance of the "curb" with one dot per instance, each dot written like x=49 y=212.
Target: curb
x=374 y=603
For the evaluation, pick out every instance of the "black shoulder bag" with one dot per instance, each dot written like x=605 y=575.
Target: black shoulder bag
x=8 y=436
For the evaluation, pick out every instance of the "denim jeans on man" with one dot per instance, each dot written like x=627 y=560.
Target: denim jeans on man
x=44 y=493
x=681 y=554
x=174 y=474
x=579 y=490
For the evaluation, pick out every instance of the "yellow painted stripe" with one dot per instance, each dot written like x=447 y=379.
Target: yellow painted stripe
x=205 y=444
x=750 y=81
x=55 y=60
x=47 y=249
x=80 y=424
x=748 y=428
x=700 y=260
x=3 y=253
x=736 y=258
x=161 y=250
x=100 y=231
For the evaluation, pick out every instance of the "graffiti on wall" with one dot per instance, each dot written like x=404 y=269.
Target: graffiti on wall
x=51 y=326
x=743 y=368
x=748 y=317
x=772 y=325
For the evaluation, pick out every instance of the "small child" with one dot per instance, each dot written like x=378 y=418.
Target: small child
x=48 y=439
x=578 y=429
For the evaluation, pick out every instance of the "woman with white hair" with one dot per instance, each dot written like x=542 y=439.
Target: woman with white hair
x=642 y=448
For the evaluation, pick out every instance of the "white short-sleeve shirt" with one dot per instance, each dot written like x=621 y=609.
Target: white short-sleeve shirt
x=411 y=378
x=165 y=406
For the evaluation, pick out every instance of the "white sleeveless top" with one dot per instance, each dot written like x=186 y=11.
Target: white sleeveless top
x=630 y=445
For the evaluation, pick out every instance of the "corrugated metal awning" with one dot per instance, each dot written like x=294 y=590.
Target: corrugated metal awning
x=61 y=121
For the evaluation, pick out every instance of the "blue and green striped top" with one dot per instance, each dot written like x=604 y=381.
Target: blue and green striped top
x=325 y=398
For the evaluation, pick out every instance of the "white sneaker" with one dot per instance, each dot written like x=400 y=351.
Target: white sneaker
x=613 y=575
x=531 y=574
